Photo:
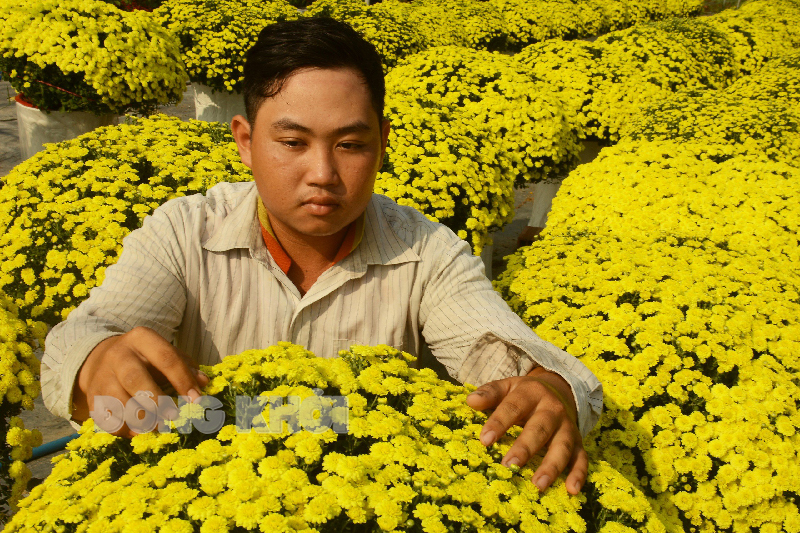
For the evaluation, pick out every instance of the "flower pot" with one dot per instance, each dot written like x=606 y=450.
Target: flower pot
x=37 y=127
x=543 y=194
x=486 y=257
x=216 y=106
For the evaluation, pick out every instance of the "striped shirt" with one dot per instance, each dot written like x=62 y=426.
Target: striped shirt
x=199 y=274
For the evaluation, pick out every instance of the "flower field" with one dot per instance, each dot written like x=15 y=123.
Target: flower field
x=668 y=265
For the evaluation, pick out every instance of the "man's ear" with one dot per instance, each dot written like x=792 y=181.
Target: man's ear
x=386 y=127
x=240 y=128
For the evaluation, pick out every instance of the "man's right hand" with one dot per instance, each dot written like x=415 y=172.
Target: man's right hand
x=138 y=361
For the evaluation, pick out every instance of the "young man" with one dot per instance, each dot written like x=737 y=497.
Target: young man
x=308 y=254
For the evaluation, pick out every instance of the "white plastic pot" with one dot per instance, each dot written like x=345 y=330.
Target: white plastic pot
x=216 y=106
x=544 y=192
x=36 y=127
x=486 y=257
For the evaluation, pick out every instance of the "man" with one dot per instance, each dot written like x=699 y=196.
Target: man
x=308 y=254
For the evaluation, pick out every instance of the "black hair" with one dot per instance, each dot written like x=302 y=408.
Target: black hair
x=284 y=47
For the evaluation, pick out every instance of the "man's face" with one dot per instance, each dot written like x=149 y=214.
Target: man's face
x=315 y=150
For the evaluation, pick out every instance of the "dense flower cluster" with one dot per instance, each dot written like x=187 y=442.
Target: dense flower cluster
x=466 y=127
x=649 y=62
x=521 y=116
x=623 y=13
x=605 y=84
x=737 y=122
x=758 y=113
x=64 y=212
x=15 y=449
x=529 y=22
x=410 y=460
x=110 y=60
x=467 y=23
x=19 y=385
x=434 y=165
x=670 y=270
x=513 y=24
x=400 y=27
x=777 y=79
x=760 y=30
x=570 y=68
x=214 y=35
x=19 y=376
x=389 y=25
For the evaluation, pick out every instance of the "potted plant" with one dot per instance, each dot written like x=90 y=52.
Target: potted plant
x=467 y=126
x=392 y=27
x=393 y=449
x=214 y=37
x=65 y=211
x=75 y=64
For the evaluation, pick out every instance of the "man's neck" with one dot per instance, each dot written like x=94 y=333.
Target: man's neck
x=308 y=249
x=311 y=256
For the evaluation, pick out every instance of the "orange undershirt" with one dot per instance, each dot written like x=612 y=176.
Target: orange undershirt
x=355 y=232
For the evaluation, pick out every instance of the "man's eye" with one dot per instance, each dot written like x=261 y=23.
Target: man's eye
x=291 y=144
x=351 y=145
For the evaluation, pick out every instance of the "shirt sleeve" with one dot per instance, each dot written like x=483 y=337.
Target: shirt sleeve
x=144 y=288
x=473 y=332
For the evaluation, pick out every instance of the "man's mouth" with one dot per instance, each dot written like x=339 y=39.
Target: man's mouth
x=320 y=205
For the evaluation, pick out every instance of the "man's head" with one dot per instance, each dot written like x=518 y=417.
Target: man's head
x=286 y=47
x=314 y=136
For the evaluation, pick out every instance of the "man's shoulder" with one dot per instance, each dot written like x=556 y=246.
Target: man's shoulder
x=219 y=200
x=413 y=227
x=197 y=217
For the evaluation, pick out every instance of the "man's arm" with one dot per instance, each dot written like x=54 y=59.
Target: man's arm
x=529 y=382
x=117 y=341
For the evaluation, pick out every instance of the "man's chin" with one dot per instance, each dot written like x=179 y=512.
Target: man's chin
x=319 y=229
x=305 y=223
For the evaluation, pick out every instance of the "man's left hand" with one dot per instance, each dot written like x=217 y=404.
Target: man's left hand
x=542 y=404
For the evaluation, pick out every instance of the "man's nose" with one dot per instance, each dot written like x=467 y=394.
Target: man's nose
x=323 y=169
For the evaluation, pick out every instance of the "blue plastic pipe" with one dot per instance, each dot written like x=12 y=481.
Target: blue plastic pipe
x=51 y=447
